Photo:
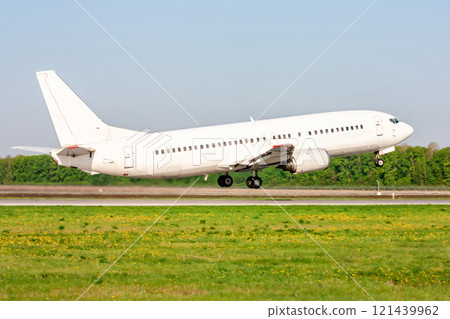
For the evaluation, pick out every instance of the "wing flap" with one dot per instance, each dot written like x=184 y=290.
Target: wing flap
x=277 y=155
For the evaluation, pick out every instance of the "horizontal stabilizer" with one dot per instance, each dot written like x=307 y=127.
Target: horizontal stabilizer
x=74 y=151
x=42 y=150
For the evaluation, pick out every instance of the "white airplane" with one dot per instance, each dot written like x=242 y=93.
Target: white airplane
x=297 y=144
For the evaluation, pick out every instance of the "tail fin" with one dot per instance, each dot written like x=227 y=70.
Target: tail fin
x=74 y=122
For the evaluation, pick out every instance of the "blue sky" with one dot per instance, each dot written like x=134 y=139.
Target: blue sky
x=225 y=61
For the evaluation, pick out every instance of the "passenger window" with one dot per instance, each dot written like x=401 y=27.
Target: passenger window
x=190 y=148
x=162 y=151
x=361 y=127
x=332 y=130
x=257 y=139
x=235 y=142
x=284 y=135
x=218 y=144
x=213 y=145
x=201 y=146
x=337 y=129
x=240 y=141
x=310 y=133
x=351 y=127
x=347 y=128
x=315 y=132
x=246 y=141
x=356 y=127
x=289 y=135
x=168 y=150
x=321 y=131
x=156 y=152
x=326 y=130
x=179 y=149
x=207 y=145
x=225 y=143
x=173 y=150
x=251 y=140
x=299 y=134
x=279 y=136
x=195 y=147
x=274 y=137
x=264 y=138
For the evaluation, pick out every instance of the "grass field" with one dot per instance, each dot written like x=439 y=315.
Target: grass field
x=224 y=253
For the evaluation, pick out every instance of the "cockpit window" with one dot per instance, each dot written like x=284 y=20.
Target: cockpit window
x=394 y=120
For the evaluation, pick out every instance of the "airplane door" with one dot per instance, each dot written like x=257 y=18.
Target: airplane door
x=128 y=157
x=378 y=126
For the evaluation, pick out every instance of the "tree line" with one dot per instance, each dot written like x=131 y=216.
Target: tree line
x=408 y=166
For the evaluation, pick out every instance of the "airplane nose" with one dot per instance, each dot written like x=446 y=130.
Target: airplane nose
x=408 y=130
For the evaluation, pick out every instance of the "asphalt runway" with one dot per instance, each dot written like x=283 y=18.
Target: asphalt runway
x=159 y=192
x=212 y=202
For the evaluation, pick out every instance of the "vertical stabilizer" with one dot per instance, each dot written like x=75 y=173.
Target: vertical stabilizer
x=74 y=122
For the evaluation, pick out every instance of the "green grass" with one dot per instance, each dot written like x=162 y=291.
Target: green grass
x=224 y=253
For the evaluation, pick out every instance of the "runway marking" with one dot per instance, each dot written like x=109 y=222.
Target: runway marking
x=212 y=202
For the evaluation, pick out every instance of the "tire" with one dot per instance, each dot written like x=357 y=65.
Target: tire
x=227 y=181
x=250 y=182
x=220 y=181
x=257 y=182
x=380 y=162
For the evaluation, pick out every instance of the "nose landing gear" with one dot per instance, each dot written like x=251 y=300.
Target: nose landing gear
x=378 y=161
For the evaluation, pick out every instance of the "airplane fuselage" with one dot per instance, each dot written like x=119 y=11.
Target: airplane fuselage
x=215 y=149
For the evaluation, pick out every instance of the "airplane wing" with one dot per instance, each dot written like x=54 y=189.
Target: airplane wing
x=277 y=155
x=284 y=156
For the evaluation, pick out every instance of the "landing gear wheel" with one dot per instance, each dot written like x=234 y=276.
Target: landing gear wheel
x=227 y=181
x=220 y=181
x=257 y=182
x=379 y=162
x=253 y=182
x=250 y=182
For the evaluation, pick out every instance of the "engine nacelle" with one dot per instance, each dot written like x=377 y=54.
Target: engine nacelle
x=309 y=160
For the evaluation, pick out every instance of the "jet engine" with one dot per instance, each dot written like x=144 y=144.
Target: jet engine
x=304 y=161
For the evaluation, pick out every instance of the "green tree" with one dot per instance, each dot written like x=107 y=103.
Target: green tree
x=408 y=166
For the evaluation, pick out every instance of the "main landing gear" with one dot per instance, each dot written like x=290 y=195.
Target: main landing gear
x=378 y=161
x=225 y=181
x=254 y=181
